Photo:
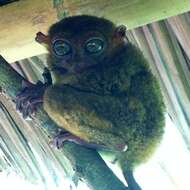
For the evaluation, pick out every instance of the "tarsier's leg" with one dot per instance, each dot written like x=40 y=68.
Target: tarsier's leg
x=63 y=136
x=74 y=111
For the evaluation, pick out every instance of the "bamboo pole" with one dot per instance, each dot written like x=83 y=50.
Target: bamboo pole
x=20 y=21
x=86 y=162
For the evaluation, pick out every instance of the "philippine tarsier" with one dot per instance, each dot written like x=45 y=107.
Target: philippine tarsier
x=103 y=92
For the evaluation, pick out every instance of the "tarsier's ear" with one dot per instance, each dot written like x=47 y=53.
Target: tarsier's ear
x=120 y=31
x=42 y=38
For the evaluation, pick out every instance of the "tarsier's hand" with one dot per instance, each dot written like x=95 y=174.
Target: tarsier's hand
x=30 y=98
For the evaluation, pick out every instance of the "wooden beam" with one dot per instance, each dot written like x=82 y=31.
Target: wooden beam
x=21 y=20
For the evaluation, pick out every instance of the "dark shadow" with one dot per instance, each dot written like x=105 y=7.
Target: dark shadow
x=4 y=2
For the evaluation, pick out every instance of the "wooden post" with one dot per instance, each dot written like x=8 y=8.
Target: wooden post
x=20 y=21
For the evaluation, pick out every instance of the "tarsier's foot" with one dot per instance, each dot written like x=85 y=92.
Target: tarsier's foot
x=30 y=97
x=63 y=136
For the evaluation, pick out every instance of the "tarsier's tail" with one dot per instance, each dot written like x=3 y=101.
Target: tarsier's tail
x=128 y=171
x=129 y=177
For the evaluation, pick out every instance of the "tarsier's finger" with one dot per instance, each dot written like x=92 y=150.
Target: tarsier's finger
x=24 y=113
x=35 y=101
x=30 y=106
x=30 y=110
x=21 y=101
x=57 y=144
x=58 y=141
x=26 y=84
x=29 y=99
x=21 y=92
x=27 y=113
x=34 y=109
x=27 y=110
x=18 y=104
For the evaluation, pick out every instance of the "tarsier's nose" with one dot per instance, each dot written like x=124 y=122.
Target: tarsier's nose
x=76 y=67
x=79 y=67
x=77 y=62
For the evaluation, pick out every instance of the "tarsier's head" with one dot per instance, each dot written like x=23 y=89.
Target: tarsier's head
x=80 y=42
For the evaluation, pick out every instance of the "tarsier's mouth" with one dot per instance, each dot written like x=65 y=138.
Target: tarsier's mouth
x=63 y=71
x=78 y=69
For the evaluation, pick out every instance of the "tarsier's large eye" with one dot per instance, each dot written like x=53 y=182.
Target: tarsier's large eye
x=61 y=47
x=94 y=45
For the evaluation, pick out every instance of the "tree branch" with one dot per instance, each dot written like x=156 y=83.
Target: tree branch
x=87 y=163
